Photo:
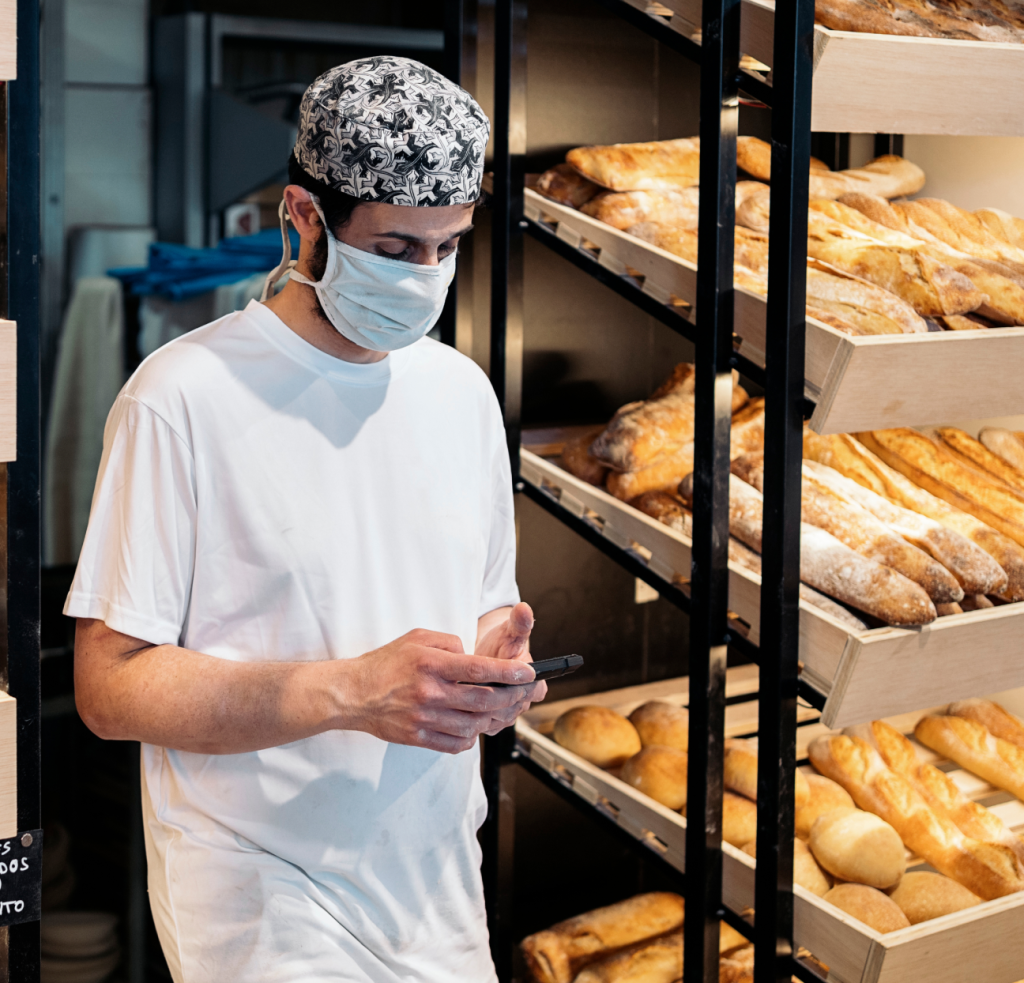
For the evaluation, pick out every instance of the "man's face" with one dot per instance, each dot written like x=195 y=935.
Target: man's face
x=420 y=235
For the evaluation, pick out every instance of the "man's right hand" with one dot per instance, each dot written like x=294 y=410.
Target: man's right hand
x=411 y=692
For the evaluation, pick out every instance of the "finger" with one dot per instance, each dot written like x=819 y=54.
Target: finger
x=482 y=699
x=437 y=640
x=454 y=723
x=434 y=741
x=480 y=669
x=517 y=631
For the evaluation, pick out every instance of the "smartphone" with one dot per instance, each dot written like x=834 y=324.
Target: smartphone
x=560 y=665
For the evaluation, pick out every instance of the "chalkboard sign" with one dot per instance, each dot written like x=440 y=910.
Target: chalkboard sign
x=21 y=877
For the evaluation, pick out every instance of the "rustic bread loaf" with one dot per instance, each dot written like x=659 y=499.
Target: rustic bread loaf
x=656 y=166
x=578 y=461
x=663 y=475
x=655 y=961
x=598 y=734
x=996 y=719
x=858 y=846
x=659 y=772
x=868 y=905
x=922 y=895
x=662 y=723
x=667 y=508
x=824 y=796
x=555 y=955
x=623 y=209
x=807 y=872
x=870 y=309
x=1006 y=445
x=564 y=184
x=1003 y=225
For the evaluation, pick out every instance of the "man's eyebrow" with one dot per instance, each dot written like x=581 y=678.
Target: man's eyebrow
x=405 y=237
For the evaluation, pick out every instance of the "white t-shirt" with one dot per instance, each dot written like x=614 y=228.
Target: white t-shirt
x=259 y=499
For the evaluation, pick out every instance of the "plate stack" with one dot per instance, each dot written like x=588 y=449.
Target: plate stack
x=78 y=946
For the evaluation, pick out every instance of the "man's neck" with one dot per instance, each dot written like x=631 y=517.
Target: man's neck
x=296 y=306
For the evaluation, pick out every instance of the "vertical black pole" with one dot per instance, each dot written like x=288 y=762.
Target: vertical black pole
x=787 y=291
x=23 y=475
x=719 y=109
x=446 y=323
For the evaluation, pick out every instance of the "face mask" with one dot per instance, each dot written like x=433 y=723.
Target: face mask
x=378 y=303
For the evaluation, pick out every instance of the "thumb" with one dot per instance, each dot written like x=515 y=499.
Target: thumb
x=520 y=622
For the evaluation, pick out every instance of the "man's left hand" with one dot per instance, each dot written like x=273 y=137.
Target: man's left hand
x=510 y=639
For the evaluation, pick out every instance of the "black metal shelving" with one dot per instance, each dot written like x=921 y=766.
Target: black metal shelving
x=705 y=599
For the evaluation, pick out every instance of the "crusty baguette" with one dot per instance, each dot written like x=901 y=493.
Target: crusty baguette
x=1006 y=445
x=855 y=526
x=989 y=870
x=975 y=453
x=928 y=465
x=578 y=461
x=1004 y=225
x=853 y=459
x=555 y=954
x=971 y=746
x=653 y=961
x=873 y=310
x=622 y=209
x=564 y=184
x=656 y=166
x=937 y=788
x=975 y=570
x=996 y=719
x=964 y=231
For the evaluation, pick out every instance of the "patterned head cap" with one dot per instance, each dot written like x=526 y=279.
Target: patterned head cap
x=390 y=129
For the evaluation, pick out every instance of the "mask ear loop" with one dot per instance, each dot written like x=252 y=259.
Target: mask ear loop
x=287 y=263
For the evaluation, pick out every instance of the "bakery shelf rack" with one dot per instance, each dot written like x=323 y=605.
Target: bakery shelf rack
x=798 y=364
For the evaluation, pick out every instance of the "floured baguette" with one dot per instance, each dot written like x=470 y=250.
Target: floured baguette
x=961 y=229
x=578 y=461
x=928 y=465
x=913 y=19
x=996 y=719
x=975 y=570
x=656 y=166
x=678 y=207
x=938 y=789
x=971 y=746
x=854 y=460
x=871 y=309
x=1006 y=445
x=1004 y=225
x=564 y=184
x=654 y=961
x=989 y=870
x=855 y=526
x=555 y=954
x=974 y=453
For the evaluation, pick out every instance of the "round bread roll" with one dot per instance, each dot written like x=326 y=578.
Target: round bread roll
x=662 y=723
x=922 y=895
x=740 y=771
x=868 y=905
x=659 y=772
x=739 y=819
x=858 y=846
x=806 y=871
x=602 y=736
x=824 y=796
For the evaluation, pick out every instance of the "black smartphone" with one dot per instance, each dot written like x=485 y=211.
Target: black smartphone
x=560 y=665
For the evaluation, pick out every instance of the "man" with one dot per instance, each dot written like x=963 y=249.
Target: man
x=302 y=521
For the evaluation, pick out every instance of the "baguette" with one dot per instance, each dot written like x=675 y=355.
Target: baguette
x=872 y=310
x=976 y=454
x=677 y=207
x=928 y=465
x=578 y=461
x=989 y=870
x=996 y=719
x=937 y=788
x=657 y=166
x=971 y=746
x=1006 y=445
x=555 y=954
x=855 y=526
x=653 y=961
x=564 y=184
x=963 y=230
x=975 y=570
x=854 y=460
x=1003 y=225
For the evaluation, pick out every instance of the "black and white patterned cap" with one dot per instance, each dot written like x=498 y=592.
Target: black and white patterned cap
x=391 y=129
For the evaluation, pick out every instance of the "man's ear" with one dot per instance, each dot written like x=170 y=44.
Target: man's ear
x=303 y=213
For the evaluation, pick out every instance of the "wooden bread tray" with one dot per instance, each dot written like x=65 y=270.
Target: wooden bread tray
x=858 y=382
x=863 y=675
x=882 y=83
x=983 y=944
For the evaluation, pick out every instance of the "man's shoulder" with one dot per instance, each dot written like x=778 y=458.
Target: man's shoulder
x=450 y=365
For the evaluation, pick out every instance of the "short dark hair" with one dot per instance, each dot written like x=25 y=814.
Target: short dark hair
x=337 y=206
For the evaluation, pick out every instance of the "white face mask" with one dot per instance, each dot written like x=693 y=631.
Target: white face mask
x=377 y=303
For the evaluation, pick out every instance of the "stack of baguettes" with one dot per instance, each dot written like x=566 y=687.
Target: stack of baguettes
x=875 y=267
x=980 y=20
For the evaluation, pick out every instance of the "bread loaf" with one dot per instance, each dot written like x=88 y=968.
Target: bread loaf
x=654 y=961
x=739 y=819
x=620 y=210
x=974 y=453
x=868 y=905
x=659 y=772
x=807 y=872
x=997 y=720
x=971 y=746
x=597 y=734
x=663 y=475
x=556 y=954
x=989 y=870
x=922 y=895
x=667 y=509
x=870 y=309
x=824 y=795
x=657 y=166
x=853 y=459
x=975 y=570
x=738 y=967
x=1006 y=445
x=1003 y=225
x=578 y=461
x=662 y=723
x=928 y=465
x=858 y=846
x=564 y=184
x=740 y=771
